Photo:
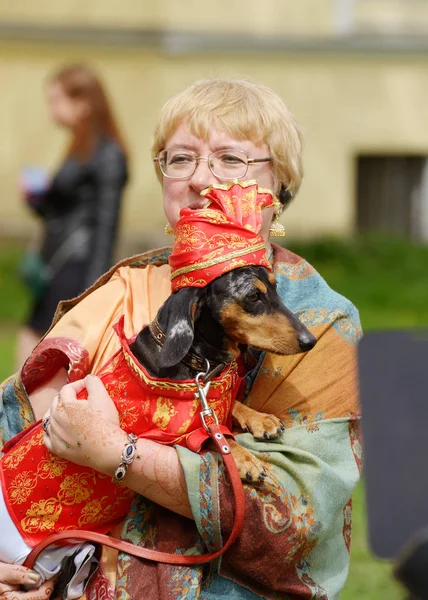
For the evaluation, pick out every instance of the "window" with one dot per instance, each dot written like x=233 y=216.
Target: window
x=392 y=195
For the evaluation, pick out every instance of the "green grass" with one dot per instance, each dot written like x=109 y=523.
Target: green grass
x=14 y=303
x=385 y=278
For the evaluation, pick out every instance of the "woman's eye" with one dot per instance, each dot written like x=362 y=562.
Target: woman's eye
x=180 y=159
x=231 y=159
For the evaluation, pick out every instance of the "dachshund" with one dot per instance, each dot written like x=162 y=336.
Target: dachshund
x=236 y=310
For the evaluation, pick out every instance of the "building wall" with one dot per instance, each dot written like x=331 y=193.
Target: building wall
x=347 y=103
x=305 y=16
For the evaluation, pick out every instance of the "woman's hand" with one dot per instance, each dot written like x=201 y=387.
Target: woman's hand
x=12 y=577
x=86 y=432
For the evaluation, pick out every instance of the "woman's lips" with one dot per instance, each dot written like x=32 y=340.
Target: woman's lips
x=197 y=205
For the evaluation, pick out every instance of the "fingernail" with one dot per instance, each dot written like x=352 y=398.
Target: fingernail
x=33 y=577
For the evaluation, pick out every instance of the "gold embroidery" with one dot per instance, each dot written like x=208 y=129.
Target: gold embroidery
x=164 y=412
x=189 y=237
x=42 y=516
x=244 y=184
x=22 y=486
x=190 y=282
x=234 y=264
x=11 y=461
x=95 y=511
x=51 y=467
x=223 y=383
x=192 y=411
x=76 y=488
x=128 y=415
x=216 y=261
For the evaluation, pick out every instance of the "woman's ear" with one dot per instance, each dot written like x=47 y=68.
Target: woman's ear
x=177 y=320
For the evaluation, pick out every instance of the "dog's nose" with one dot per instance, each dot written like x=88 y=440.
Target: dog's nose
x=306 y=341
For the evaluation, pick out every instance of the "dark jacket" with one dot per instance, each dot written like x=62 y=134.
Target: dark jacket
x=85 y=197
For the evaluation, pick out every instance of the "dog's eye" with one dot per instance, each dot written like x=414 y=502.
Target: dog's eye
x=253 y=297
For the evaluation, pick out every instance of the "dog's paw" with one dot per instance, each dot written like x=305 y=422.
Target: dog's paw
x=249 y=467
x=263 y=426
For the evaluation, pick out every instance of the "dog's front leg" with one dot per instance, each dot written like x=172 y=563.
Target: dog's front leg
x=249 y=467
x=262 y=425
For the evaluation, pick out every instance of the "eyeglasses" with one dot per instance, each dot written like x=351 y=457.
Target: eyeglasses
x=225 y=164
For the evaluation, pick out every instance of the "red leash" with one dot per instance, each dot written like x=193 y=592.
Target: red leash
x=215 y=433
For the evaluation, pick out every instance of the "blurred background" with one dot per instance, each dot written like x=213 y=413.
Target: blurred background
x=354 y=73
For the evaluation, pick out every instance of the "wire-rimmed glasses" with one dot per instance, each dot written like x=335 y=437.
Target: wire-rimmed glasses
x=227 y=164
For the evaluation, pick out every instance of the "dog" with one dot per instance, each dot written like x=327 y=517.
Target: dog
x=219 y=322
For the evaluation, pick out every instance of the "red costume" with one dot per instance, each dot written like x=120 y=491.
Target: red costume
x=45 y=493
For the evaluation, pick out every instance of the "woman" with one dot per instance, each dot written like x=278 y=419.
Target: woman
x=295 y=540
x=80 y=207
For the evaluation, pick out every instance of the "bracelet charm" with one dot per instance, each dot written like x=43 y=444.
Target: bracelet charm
x=128 y=455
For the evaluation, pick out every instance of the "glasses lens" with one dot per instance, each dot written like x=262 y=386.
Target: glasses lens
x=177 y=163
x=229 y=163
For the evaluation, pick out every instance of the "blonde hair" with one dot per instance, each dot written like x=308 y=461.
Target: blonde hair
x=246 y=111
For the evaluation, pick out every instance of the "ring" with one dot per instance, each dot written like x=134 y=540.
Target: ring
x=45 y=424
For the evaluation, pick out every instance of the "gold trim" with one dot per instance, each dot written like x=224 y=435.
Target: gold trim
x=218 y=260
x=225 y=382
x=225 y=187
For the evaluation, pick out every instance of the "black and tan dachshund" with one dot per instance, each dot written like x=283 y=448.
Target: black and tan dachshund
x=238 y=309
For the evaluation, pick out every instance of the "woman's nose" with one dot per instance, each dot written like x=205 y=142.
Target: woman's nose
x=203 y=176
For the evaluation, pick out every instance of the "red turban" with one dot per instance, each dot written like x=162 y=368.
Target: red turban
x=222 y=236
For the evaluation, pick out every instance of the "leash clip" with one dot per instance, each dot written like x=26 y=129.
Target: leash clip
x=203 y=389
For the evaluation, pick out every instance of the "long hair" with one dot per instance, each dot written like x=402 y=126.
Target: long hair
x=79 y=82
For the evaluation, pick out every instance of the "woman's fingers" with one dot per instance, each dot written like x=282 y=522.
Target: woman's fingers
x=93 y=385
x=17 y=575
x=99 y=399
x=14 y=576
x=72 y=389
x=42 y=593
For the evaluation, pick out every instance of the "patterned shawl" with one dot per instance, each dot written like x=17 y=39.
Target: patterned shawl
x=296 y=538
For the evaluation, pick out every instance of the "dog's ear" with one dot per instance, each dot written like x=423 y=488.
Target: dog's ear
x=177 y=320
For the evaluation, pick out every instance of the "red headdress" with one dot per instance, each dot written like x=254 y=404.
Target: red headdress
x=222 y=236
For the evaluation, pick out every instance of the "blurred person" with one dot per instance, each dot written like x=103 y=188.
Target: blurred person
x=296 y=536
x=80 y=206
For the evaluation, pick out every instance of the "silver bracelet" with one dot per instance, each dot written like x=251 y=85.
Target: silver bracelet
x=128 y=455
